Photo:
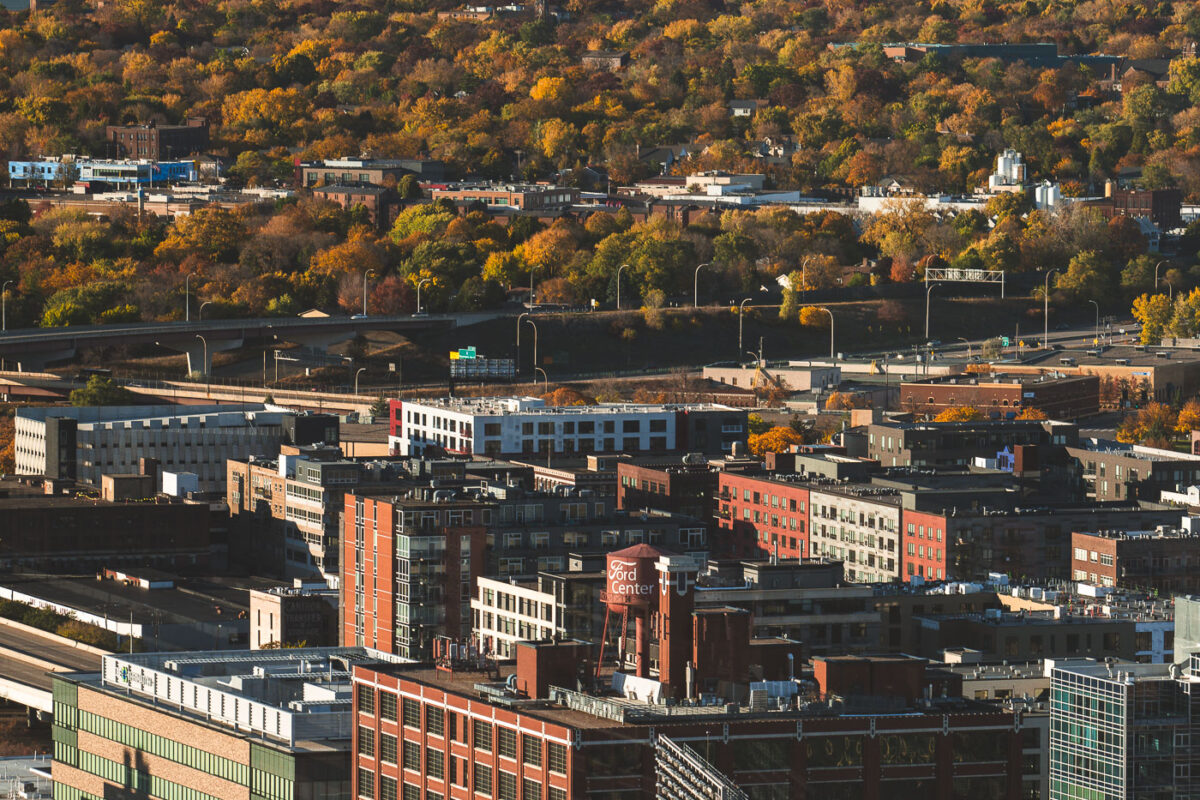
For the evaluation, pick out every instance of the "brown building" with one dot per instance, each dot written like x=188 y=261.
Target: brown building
x=158 y=142
x=1164 y=560
x=686 y=486
x=1160 y=205
x=1006 y=396
x=610 y=60
x=70 y=533
x=1028 y=636
x=381 y=204
x=522 y=197
x=957 y=444
x=1129 y=375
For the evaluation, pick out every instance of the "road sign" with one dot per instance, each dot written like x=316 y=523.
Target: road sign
x=1004 y=341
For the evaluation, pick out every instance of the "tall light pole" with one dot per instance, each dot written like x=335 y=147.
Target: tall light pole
x=1046 y=311
x=623 y=266
x=546 y=384
x=535 y=337
x=804 y=277
x=356 y=374
x=200 y=313
x=367 y=275
x=1156 y=266
x=741 y=311
x=204 y=365
x=696 y=285
x=187 y=297
x=928 y=291
x=968 y=342
x=532 y=295
x=1097 y=305
x=4 y=306
x=830 y=313
x=421 y=283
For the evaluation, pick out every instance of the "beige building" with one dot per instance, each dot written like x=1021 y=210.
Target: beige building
x=291 y=616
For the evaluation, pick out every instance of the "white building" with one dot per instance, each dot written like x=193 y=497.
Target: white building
x=526 y=425
x=860 y=526
x=84 y=443
x=505 y=612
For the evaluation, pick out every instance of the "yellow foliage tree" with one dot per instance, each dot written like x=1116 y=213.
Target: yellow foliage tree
x=1189 y=417
x=960 y=414
x=1151 y=425
x=814 y=317
x=774 y=440
x=1032 y=414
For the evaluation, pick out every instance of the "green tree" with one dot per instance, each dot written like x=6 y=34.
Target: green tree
x=101 y=391
x=1088 y=277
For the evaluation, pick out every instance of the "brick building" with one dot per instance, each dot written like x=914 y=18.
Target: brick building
x=1164 y=560
x=521 y=197
x=762 y=515
x=546 y=730
x=957 y=444
x=381 y=203
x=368 y=171
x=1114 y=471
x=1006 y=396
x=158 y=142
x=684 y=487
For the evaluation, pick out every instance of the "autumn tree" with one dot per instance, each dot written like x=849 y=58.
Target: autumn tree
x=1153 y=425
x=960 y=414
x=1031 y=413
x=1189 y=417
x=1153 y=311
x=775 y=440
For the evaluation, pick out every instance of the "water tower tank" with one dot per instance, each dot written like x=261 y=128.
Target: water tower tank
x=632 y=579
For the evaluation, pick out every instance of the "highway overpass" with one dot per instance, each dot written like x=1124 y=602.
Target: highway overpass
x=28 y=656
x=34 y=348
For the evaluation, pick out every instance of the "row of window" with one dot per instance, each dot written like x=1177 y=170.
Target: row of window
x=163 y=747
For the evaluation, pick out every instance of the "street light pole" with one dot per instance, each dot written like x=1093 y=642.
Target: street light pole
x=804 y=278
x=741 y=311
x=535 y=338
x=1046 y=311
x=1097 y=305
x=187 y=297
x=623 y=266
x=928 y=291
x=1156 y=266
x=421 y=283
x=546 y=384
x=367 y=275
x=696 y=285
x=200 y=313
x=830 y=313
x=356 y=374
x=968 y=342
x=532 y=296
x=4 y=306
x=204 y=365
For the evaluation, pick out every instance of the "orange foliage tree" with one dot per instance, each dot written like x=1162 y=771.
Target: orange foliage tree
x=774 y=440
x=960 y=414
x=1152 y=425
x=1032 y=414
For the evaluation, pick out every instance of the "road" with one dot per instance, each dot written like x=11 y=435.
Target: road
x=46 y=648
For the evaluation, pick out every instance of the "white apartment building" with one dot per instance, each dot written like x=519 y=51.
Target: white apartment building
x=505 y=612
x=84 y=443
x=526 y=425
x=859 y=525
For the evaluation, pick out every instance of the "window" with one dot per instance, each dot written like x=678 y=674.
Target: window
x=508 y=742
x=483 y=734
x=508 y=786
x=531 y=750
x=366 y=783
x=366 y=700
x=387 y=788
x=435 y=764
x=435 y=721
x=482 y=779
x=366 y=741
x=531 y=789
x=387 y=706
x=412 y=713
x=557 y=794
x=412 y=756
x=558 y=758
x=412 y=792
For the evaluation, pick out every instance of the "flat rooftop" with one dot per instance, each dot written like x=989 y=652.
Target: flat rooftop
x=501 y=406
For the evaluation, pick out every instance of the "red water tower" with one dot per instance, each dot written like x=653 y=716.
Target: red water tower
x=632 y=591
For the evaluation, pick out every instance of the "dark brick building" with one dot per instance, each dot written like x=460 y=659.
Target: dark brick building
x=1164 y=559
x=1006 y=396
x=158 y=142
